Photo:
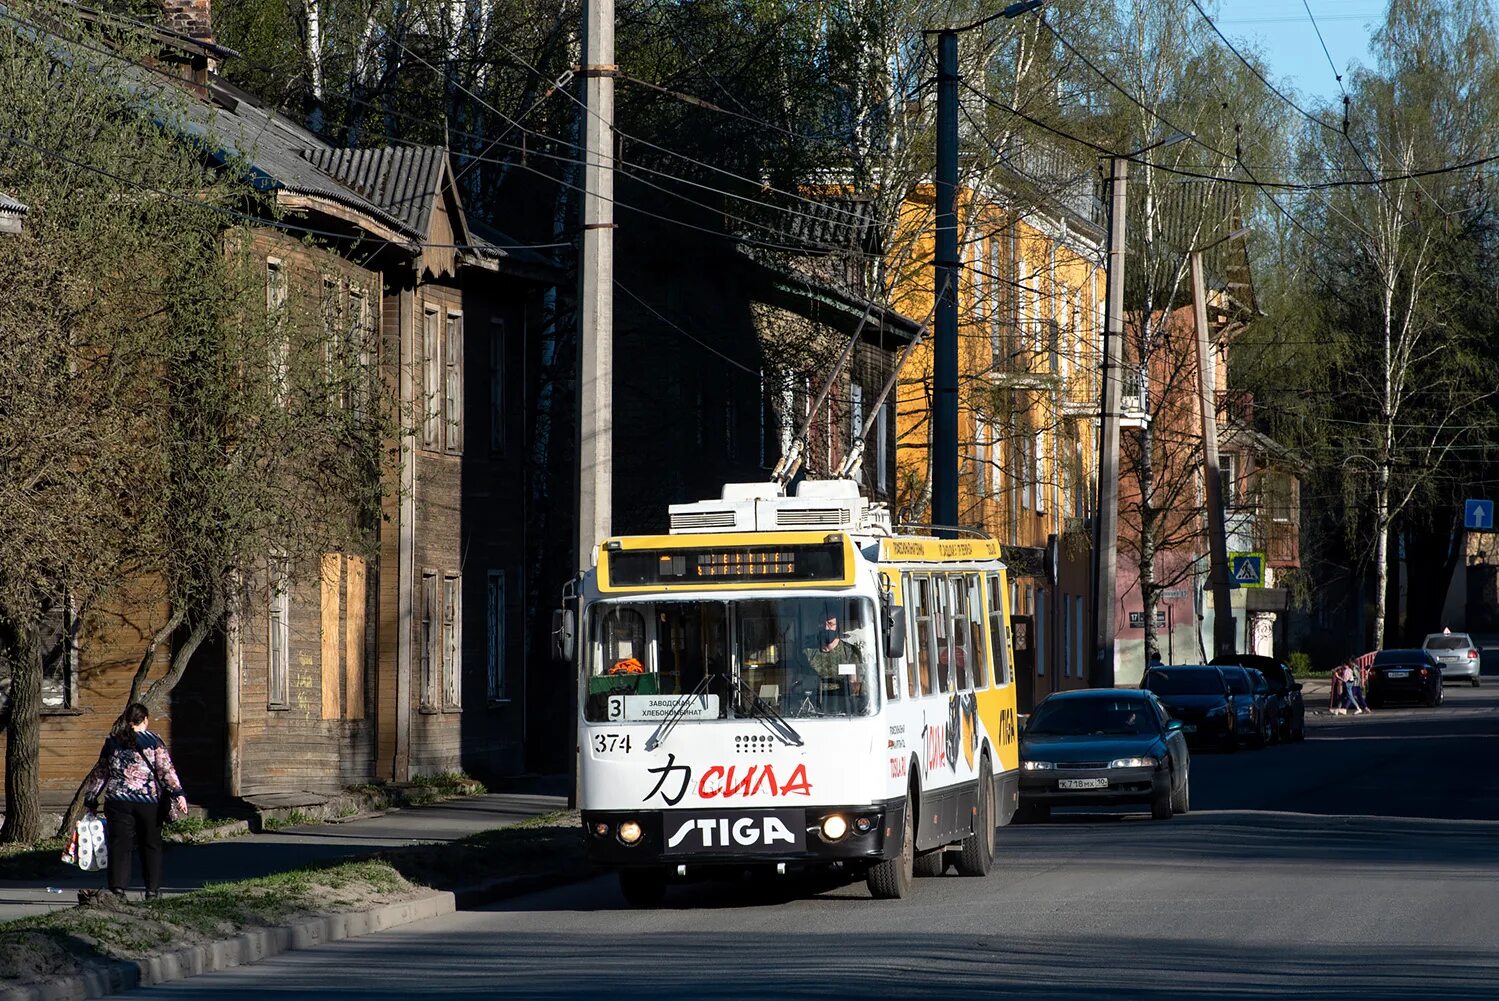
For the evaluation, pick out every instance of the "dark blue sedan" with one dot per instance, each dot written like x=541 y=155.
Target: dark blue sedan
x=1103 y=746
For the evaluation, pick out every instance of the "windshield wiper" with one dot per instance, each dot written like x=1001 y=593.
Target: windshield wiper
x=775 y=723
x=675 y=714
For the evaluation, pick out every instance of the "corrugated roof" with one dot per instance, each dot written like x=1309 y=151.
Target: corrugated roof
x=9 y=206
x=403 y=181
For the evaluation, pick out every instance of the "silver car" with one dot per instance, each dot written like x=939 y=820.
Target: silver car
x=1456 y=653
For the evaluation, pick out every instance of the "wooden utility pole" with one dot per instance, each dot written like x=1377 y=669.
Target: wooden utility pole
x=596 y=283
x=1223 y=623
x=1106 y=516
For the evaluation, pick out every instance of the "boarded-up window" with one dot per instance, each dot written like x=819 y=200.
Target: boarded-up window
x=494 y=607
x=431 y=380
x=354 y=605
x=278 y=639
x=428 y=639
x=453 y=382
x=329 y=634
x=452 y=625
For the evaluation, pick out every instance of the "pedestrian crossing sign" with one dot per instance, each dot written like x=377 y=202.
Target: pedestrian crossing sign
x=1247 y=569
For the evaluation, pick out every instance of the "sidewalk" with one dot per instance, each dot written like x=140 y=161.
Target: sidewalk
x=188 y=867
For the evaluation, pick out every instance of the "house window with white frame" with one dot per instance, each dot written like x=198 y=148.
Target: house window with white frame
x=494 y=608
x=333 y=349
x=278 y=639
x=428 y=638
x=497 y=385
x=453 y=382
x=361 y=337
x=1038 y=458
x=57 y=637
x=980 y=456
x=431 y=380
x=1228 y=480
x=280 y=344
x=452 y=640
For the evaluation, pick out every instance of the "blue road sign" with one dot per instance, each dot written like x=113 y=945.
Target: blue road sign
x=1247 y=569
x=1478 y=515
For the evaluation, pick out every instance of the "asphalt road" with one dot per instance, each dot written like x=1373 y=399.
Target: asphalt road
x=1361 y=864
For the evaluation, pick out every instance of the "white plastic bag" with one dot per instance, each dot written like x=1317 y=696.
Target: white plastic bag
x=93 y=852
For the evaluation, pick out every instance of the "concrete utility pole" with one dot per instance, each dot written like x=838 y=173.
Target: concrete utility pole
x=1106 y=516
x=944 y=455
x=596 y=283
x=1223 y=623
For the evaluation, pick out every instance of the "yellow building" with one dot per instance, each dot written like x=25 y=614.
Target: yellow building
x=1030 y=319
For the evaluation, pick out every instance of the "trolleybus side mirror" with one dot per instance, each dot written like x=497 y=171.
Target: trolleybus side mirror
x=895 y=632
x=564 y=640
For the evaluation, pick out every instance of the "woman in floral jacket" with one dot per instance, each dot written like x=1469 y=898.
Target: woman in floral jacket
x=140 y=791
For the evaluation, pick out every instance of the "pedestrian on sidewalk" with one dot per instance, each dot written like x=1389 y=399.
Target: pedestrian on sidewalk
x=1356 y=691
x=1337 y=697
x=141 y=792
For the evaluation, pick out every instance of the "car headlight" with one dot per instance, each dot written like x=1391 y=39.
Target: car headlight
x=1145 y=762
x=1036 y=766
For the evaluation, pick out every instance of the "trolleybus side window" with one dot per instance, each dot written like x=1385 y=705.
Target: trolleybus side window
x=922 y=637
x=997 y=633
x=942 y=618
x=908 y=591
x=973 y=584
x=962 y=639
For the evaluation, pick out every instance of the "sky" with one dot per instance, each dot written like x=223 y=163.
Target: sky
x=1282 y=32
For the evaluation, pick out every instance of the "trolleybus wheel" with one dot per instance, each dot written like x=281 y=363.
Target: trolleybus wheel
x=976 y=855
x=643 y=887
x=891 y=879
x=931 y=864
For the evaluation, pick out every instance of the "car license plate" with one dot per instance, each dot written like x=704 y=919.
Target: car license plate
x=1399 y=674
x=1082 y=783
x=1189 y=728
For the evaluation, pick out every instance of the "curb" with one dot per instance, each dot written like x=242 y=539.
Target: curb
x=241 y=950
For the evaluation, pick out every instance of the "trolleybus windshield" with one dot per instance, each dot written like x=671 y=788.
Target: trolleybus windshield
x=794 y=656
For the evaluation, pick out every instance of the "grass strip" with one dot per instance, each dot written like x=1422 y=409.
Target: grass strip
x=65 y=941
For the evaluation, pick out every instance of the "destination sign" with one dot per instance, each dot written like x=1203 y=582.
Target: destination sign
x=821 y=561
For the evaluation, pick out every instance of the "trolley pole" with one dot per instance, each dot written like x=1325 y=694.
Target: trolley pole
x=1106 y=517
x=596 y=282
x=944 y=454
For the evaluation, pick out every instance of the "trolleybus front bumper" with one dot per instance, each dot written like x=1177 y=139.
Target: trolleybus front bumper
x=804 y=835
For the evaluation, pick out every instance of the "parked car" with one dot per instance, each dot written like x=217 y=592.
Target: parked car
x=1292 y=722
x=1456 y=654
x=1404 y=675
x=1198 y=696
x=1103 y=746
x=1252 y=705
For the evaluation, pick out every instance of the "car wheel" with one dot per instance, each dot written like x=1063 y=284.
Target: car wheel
x=1475 y=682
x=643 y=887
x=891 y=879
x=976 y=856
x=1299 y=733
x=1181 y=802
x=1230 y=743
x=1262 y=735
x=931 y=864
x=1160 y=803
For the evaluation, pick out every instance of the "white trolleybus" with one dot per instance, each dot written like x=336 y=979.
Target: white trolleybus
x=787 y=681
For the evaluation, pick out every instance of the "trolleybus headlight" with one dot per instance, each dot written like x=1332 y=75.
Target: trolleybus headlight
x=601 y=829
x=834 y=827
x=629 y=832
x=863 y=825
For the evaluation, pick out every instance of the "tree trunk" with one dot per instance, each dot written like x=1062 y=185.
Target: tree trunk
x=23 y=732
x=1381 y=554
